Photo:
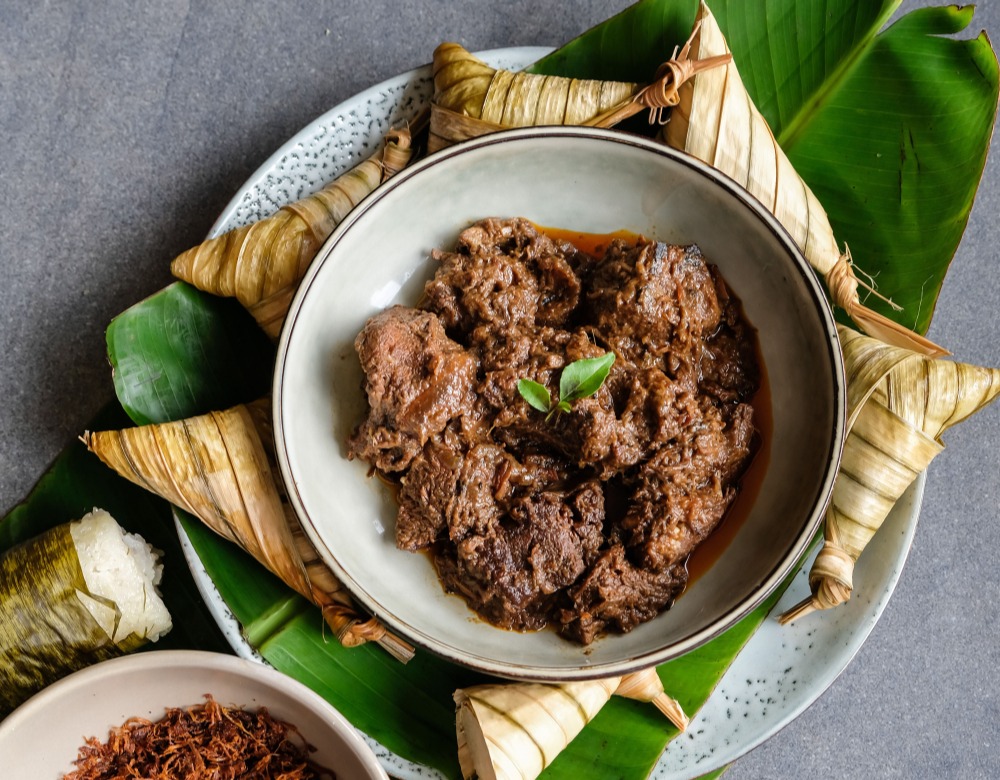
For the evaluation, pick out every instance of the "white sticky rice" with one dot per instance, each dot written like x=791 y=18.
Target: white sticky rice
x=120 y=568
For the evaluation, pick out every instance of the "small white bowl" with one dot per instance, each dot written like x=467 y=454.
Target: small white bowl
x=585 y=180
x=41 y=738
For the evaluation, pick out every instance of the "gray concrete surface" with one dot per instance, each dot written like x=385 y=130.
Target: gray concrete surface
x=124 y=129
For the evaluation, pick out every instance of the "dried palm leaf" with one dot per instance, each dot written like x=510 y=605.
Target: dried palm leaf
x=647 y=686
x=717 y=122
x=473 y=99
x=216 y=467
x=899 y=405
x=261 y=264
x=513 y=731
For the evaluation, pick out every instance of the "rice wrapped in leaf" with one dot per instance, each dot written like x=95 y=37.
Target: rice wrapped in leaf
x=75 y=595
x=899 y=403
x=472 y=99
x=261 y=264
x=515 y=730
x=217 y=467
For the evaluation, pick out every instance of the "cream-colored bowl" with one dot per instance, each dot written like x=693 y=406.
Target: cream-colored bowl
x=41 y=738
x=584 y=180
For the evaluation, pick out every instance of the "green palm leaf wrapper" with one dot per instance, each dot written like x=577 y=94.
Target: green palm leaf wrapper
x=848 y=100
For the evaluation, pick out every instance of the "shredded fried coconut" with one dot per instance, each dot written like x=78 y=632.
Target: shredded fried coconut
x=207 y=741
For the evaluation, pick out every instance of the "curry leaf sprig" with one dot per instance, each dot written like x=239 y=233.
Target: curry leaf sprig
x=580 y=379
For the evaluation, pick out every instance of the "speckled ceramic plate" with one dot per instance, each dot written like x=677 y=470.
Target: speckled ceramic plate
x=782 y=669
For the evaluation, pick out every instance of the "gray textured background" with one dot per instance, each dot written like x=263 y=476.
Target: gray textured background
x=126 y=127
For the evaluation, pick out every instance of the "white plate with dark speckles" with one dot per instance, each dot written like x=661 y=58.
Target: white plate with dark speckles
x=782 y=669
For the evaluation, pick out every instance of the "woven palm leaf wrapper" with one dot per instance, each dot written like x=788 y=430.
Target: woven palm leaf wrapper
x=513 y=731
x=216 y=467
x=261 y=264
x=473 y=99
x=899 y=403
x=717 y=122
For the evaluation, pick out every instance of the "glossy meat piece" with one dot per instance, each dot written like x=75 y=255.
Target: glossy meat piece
x=512 y=572
x=685 y=488
x=416 y=380
x=654 y=303
x=616 y=594
x=503 y=273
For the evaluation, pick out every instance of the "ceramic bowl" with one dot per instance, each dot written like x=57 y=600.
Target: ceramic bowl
x=41 y=739
x=584 y=180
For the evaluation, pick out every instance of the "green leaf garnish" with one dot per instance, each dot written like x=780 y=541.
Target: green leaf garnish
x=535 y=394
x=583 y=378
x=580 y=379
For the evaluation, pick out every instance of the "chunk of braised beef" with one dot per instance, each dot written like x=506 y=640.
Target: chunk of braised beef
x=484 y=488
x=631 y=415
x=416 y=380
x=685 y=488
x=427 y=493
x=448 y=493
x=653 y=301
x=654 y=410
x=565 y=530
x=503 y=273
x=729 y=368
x=584 y=435
x=617 y=595
x=511 y=571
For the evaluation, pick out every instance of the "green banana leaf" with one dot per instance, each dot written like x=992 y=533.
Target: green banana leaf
x=627 y=47
x=889 y=126
x=408 y=708
x=182 y=352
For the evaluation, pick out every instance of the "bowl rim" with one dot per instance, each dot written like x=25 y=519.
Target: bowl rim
x=512 y=669
x=191 y=661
